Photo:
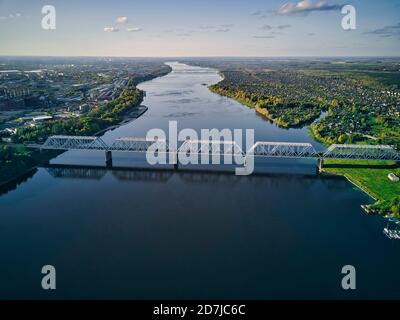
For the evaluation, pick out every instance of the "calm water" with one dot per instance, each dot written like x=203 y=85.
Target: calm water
x=162 y=234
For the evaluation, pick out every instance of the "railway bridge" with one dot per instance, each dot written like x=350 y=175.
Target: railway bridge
x=220 y=148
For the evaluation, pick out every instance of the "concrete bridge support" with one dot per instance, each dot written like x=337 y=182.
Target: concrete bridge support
x=108 y=159
x=175 y=161
x=320 y=164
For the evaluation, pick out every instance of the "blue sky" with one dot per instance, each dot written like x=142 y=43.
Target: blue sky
x=200 y=28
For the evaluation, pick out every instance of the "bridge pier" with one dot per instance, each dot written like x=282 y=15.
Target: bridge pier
x=108 y=159
x=175 y=161
x=320 y=164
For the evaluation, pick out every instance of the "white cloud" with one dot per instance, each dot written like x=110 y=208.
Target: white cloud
x=134 y=29
x=266 y=27
x=284 y=26
x=11 y=16
x=306 y=6
x=263 y=37
x=111 y=29
x=223 y=30
x=122 y=19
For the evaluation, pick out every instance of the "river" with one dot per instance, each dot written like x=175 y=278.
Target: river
x=148 y=234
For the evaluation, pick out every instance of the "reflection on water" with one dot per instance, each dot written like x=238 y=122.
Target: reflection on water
x=13 y=185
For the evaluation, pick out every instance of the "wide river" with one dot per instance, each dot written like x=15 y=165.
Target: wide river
x=151 y=234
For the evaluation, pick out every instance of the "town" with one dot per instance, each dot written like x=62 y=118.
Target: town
x=35 y=91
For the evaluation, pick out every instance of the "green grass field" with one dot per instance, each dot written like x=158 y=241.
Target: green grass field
x=371 y=176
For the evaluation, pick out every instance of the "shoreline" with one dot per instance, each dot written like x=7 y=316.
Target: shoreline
x=264 y=113
x=359 y=187
x=127 y=118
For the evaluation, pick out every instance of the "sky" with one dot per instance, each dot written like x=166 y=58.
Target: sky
x=195 y=28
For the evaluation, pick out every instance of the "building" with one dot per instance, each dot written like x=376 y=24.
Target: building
x=42 y=118
x=393 y=177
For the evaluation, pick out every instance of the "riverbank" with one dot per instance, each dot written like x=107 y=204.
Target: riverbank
x=372 y=178
x=133 y=115
x=16 y=162
x=284 y=116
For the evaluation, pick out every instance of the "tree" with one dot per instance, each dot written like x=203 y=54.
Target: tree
x=342 y=138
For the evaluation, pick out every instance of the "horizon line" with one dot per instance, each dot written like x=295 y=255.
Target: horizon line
x=199 y=57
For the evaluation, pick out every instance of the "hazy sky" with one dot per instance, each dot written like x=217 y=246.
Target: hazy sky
x=199 y=28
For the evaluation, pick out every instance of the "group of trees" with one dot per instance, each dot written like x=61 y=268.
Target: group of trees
x=388 y=207
x=281 y=111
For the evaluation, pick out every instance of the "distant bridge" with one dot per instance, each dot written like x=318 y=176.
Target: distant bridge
x=221 y=148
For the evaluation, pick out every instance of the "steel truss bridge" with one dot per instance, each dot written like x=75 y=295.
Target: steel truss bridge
x=220 y=148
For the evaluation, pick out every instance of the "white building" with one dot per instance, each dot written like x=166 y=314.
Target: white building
x=42 y=118
x=393 y=177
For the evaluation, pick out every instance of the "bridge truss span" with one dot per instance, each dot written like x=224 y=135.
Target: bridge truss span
x=139 y=145
x=361 y=152
x=74 y=143
x=211 y=148
x=282 y=150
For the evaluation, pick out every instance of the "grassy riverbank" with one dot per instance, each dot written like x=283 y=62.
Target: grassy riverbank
x=372 y=177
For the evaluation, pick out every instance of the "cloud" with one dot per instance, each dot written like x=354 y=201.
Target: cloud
x=223 y=30
x=266 y=27
x=122 y=19
x=207 y=27
x=217 y=28
x=111 y=29
x=261 y=14
x=258 y=13
x=263 y=37
x=11 y=16
x=284 y=26
x=305 y=7
x=184 y=34
x=134 y=29
x=387 y=31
